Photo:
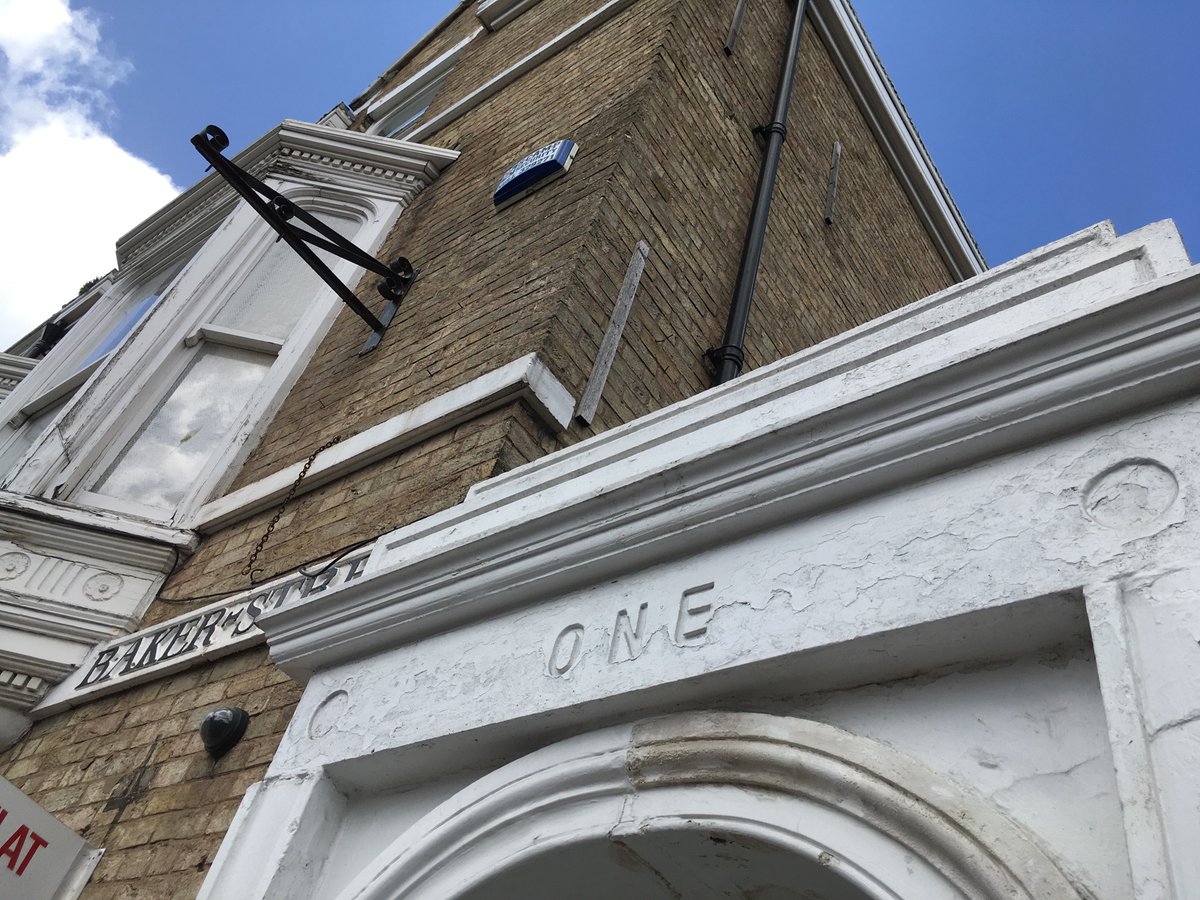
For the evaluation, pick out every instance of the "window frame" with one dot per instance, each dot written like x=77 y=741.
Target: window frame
x=410 y=99
x=195 y=302
x=366 y=178
x=58 y=375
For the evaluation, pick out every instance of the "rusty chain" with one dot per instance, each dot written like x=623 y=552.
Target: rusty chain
x=248 y=569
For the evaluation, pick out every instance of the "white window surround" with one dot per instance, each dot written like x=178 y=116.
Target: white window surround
x=412 y=96
x=361 y=176
x=78 y=574
x=222 y=265
x=495 y=14
x=70 y=312
x=166 y=239
x=86 y=316
x=92 y=317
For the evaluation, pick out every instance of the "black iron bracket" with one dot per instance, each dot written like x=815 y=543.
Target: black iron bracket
x=278 y=211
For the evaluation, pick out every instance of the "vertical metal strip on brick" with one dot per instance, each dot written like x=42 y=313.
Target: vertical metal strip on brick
x=612 y=336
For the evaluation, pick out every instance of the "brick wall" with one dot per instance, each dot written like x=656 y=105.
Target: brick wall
x=663 y=120
x=130 y=775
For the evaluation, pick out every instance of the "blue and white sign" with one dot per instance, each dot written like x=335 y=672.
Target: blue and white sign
x=536 y=170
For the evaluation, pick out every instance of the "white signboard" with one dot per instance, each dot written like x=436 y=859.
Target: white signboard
x=212 y=631
x=40 y=858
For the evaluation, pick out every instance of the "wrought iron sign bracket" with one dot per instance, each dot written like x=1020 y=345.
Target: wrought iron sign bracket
x=278 y=211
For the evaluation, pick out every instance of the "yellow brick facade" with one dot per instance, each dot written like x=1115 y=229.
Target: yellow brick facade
x=663 y=121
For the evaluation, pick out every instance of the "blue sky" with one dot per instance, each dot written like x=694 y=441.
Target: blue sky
x=1043 y=117
x=1046 y=116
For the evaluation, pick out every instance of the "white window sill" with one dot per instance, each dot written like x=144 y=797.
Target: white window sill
x=526 y=379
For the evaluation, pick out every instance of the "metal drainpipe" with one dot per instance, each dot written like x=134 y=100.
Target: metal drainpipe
x=729 y=357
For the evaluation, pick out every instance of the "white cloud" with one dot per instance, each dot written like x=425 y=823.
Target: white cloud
x=69 y=191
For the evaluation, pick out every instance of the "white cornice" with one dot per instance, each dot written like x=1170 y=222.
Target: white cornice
x=55 y=660
x=872 y=89
x=12 y=370
x=1084 y=329
x=15 y=368
x=525 y=379
x=20 y=690
x=406 y=166
x=91 y=531
x=59 y=620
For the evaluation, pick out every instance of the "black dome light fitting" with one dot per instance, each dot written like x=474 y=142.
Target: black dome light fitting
x=222 y=728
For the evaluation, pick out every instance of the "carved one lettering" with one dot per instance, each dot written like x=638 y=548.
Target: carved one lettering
x=688 y=626
x=572 y=637
x=632 y=636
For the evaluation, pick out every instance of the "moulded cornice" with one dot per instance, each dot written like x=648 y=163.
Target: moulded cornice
x=59 y=620
x=92 y=532
x=14 y=368
x=969 y=374
x=47 y=668
x=20 y=690
x=406 y=167
x=70 y=578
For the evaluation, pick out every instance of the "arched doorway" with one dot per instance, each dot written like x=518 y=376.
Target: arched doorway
x=713 y=805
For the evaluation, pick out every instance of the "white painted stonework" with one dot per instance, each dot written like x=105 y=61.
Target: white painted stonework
x=913 y=613
x=69 y=579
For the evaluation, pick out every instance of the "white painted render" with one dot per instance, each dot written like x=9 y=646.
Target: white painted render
x=954 y=548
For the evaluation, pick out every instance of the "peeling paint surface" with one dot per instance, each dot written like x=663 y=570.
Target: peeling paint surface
x=976 y=557
x=1000 y=540
x=997 y=536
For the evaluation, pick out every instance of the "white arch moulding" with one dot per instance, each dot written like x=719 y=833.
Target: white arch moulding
x=845 y=809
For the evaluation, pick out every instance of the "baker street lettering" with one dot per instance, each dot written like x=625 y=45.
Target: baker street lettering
x=228 y=624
